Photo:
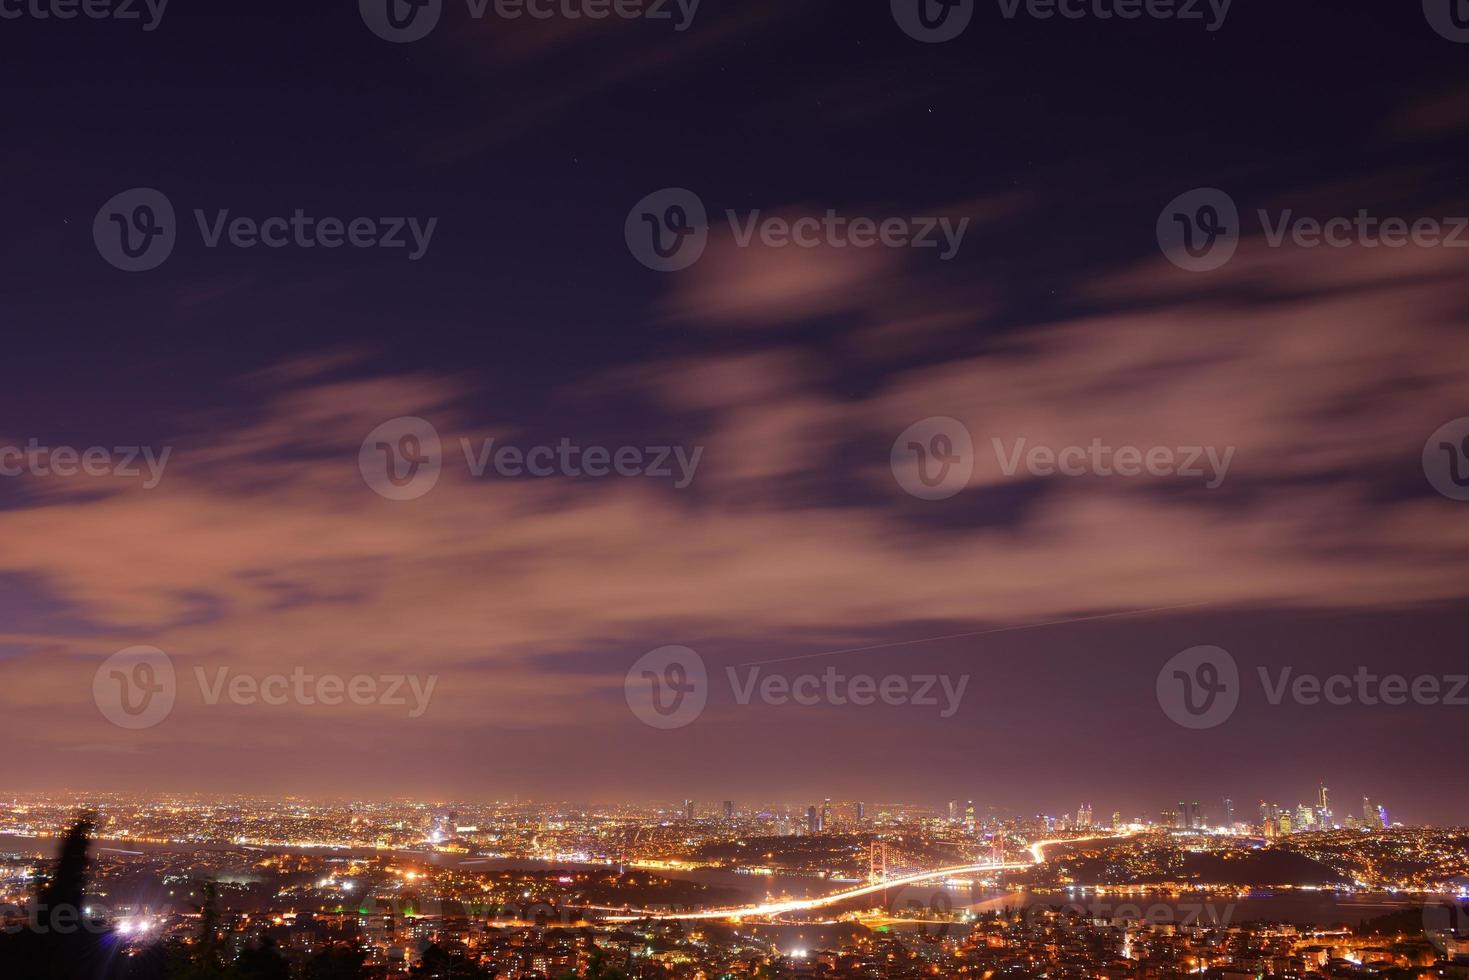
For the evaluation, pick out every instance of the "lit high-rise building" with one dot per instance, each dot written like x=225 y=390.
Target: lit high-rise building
x=729 y=809
x=688 y=809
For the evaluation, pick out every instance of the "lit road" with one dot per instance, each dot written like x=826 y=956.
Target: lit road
x=1037 y=853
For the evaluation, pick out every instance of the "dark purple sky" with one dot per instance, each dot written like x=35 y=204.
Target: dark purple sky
x=528 y=320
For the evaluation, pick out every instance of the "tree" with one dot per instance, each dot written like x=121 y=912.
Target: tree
x=438 y=963
x=263 y=962
x=337 y=963
x=58 y=941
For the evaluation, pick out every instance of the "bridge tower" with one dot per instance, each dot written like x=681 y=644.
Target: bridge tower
x=877 y=862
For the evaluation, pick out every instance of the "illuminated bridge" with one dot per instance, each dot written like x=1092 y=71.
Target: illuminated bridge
x=1037 y=853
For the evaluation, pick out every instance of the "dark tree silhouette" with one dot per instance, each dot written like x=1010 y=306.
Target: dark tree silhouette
x=337 y=963
x=58 y=941
x=263 y=962
x=438 y=964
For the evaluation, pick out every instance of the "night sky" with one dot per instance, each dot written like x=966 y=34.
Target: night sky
x=528 y=319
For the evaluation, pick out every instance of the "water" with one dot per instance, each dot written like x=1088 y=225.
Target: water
x=1319 y=908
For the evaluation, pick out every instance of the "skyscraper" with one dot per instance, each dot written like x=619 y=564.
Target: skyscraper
x=729 y=809
x=1228 y=812
x=688 y=809
x=813 y=820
